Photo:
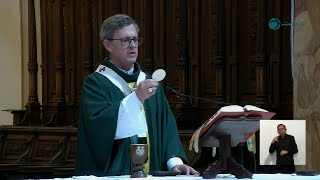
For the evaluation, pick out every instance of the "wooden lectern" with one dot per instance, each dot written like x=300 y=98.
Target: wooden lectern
x=225 y=129
x=226 y=133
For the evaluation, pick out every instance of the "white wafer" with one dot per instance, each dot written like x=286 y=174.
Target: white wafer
x=159 y=75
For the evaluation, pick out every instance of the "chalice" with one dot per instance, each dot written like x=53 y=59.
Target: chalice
x=139 y=156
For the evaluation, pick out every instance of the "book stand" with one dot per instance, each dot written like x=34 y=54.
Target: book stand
x=227 y=133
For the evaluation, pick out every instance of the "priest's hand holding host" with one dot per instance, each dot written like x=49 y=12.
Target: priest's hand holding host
x=121 y=105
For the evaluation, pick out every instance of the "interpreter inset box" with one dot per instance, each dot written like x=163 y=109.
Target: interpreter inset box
x=269 y=132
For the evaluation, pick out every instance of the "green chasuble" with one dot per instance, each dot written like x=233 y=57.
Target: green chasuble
x=98 y=153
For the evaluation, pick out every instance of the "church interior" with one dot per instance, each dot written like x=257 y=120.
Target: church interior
x=214 y=52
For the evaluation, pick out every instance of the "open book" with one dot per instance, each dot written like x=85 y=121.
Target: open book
x=232 y=111
x=236 y=111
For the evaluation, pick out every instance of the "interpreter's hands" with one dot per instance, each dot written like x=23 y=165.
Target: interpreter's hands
x=283 y=152
x=146 y=89
x=185 y=169
x=275 y=139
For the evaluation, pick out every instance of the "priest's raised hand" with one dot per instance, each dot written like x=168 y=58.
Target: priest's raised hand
x=146 y=89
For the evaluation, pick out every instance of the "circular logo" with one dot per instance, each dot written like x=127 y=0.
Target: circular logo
x=274 y=23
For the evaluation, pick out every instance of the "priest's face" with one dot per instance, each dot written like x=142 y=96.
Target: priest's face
x=123 y=47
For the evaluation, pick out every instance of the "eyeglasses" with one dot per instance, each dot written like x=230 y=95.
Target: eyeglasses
x=126 y=41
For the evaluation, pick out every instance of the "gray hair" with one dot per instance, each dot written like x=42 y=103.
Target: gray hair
x=115 y=22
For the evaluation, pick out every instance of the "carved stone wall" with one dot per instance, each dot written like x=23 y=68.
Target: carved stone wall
x=307 y=77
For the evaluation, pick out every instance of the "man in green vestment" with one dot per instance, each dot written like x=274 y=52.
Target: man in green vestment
x=120 y=105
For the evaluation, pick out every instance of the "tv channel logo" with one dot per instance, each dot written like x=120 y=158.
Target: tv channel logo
x=275 y=24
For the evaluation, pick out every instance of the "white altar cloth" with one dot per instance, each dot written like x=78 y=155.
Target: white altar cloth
x=183 y=177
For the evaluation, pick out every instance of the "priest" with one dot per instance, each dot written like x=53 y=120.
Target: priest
x=121 y=105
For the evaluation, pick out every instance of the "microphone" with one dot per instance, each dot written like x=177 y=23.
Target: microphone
x=170 y=90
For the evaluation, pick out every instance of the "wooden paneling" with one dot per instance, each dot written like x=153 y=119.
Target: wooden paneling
x=32 y=151
x=221 y=50
x=34 y=145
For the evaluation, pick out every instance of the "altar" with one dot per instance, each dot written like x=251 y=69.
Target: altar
x=184 y=177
